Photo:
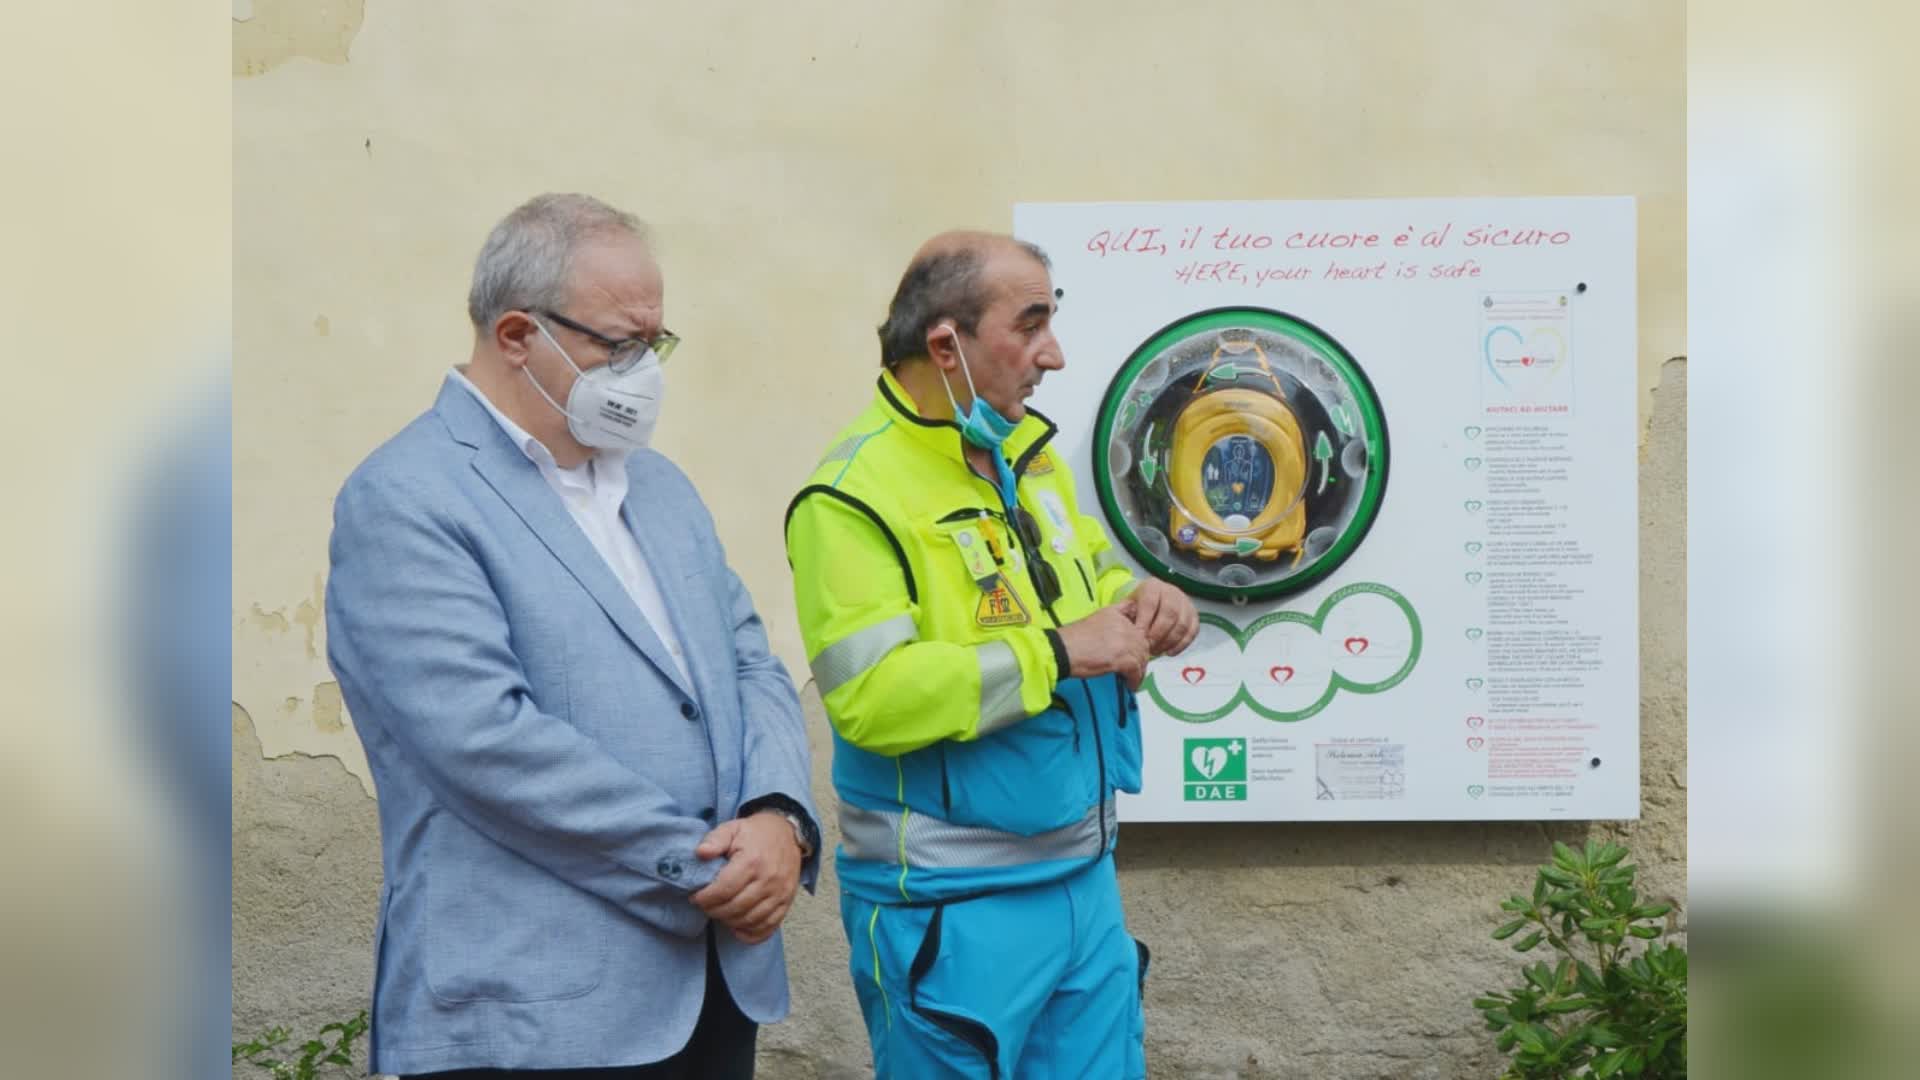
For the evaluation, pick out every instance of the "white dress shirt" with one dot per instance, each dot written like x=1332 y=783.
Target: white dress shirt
x=593 y=493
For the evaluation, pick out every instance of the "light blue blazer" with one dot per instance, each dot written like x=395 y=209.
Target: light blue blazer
x=544 y=773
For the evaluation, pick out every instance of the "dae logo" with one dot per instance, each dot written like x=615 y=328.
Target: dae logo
x=1216 y=770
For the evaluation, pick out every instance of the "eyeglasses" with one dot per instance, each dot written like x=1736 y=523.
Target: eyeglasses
x=622 y=353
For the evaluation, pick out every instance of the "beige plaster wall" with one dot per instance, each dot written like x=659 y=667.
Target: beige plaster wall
x=790 y=157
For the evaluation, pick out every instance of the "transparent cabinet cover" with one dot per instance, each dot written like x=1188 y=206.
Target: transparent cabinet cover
x=1241 y=454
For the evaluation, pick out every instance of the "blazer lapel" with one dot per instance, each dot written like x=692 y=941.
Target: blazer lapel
x=660 y=548
x=519 y=484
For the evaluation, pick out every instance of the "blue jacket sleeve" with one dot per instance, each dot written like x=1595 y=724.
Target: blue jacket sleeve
x=778 y=762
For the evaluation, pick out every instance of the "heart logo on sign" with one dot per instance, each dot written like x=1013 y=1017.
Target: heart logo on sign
x=1473 y=633
x=1476 y=721
x=1473 y=505
x=1472 y=431
x=1476 y=790
x=1356 y=645
x=1280 y=673
x=1475 y=684
x=1209 y=760
x=1473 y=577
x=1473 y=547
x=1505 y=349
x=1192 y=675
x=1473 y=463
x=1476 y=743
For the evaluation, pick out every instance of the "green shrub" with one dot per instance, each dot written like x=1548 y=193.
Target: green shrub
x=317 y=1057
x=1615 y=1003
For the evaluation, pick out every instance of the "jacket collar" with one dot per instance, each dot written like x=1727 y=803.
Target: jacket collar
x=943 y=436
x=513 y=475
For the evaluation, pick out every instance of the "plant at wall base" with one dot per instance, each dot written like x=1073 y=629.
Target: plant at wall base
x=317 y=1057
x=1615 y=1004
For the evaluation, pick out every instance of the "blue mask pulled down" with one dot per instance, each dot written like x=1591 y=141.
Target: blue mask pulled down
x=983 y=426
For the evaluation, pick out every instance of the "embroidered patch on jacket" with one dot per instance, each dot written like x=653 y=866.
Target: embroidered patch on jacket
x=1000 y=607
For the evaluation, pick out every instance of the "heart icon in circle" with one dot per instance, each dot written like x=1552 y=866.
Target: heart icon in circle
x=1356 y=645
x=1473 y=505
x=1475 y=684
x=1473 y=633
x=1476 y=790
x=1473 y=577
x=1192 y=675
x=1280 y=673
x=1473 y=547
x=1476 y=721
x=1473 y=463
x=1504 y=350
x=1209 y=760
x=1476 y=743
x=1472 y=431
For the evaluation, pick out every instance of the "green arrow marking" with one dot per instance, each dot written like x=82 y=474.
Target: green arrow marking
x=1322 y=453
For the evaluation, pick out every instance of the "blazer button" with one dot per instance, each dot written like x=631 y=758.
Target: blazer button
x=706 y=814
x=668 y=868
x=688 y=710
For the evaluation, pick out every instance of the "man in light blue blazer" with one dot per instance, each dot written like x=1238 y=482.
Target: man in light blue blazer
x=593 y=774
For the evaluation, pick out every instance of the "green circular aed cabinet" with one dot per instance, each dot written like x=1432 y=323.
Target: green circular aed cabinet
x=1240 y=454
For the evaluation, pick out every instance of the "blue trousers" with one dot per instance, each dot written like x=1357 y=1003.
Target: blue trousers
x=1027 y=984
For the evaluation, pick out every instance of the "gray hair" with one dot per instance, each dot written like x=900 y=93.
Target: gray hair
x=945 y=285
x=527 y=258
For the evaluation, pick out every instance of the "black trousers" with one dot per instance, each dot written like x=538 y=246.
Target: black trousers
x=721 y=1047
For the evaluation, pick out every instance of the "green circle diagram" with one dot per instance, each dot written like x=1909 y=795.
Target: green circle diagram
x=1241 y=454
x=1316 y=621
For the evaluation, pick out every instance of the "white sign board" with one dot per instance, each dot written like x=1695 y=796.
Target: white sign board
x=1471 y=648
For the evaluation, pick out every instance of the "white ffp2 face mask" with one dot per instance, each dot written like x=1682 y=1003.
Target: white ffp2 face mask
x=607 y=410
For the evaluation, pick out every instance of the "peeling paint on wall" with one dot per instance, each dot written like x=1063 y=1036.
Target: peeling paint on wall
x=307 y=614
x=1646 y=399
x=268 y=33
x=270 y=659
x=247 y=734
x=329 y=711
x=273 y=622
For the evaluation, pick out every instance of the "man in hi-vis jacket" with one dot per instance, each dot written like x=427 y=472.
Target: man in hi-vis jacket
x=977 y=646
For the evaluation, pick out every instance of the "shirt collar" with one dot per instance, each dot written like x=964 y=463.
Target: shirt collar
x=609 y=472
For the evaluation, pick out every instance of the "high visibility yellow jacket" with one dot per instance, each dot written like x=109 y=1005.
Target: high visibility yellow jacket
x=966 y=760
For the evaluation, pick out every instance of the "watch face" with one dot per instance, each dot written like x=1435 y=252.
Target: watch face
x=1240 y=454
x=799 y=832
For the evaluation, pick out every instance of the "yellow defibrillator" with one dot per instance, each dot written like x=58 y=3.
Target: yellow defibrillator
x=1237 y=468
